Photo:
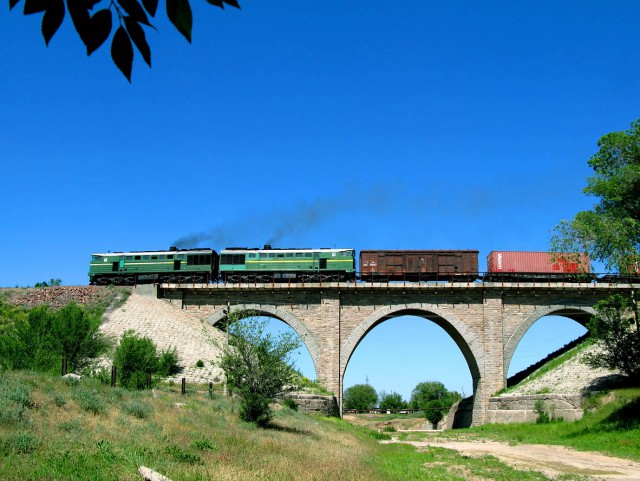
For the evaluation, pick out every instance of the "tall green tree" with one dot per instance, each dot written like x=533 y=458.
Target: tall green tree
x=360 y=397
x=615 y=327
x=610 y=232
x=39 y=339
x=257 y=364
x=434 y=399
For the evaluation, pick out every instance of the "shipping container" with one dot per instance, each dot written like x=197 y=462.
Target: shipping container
x=418 y=265
x=522 y=264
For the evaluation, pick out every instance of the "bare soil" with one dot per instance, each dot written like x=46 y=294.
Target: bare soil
x=553 y=461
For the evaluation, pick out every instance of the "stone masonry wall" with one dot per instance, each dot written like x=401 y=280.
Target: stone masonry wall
x=522 y=409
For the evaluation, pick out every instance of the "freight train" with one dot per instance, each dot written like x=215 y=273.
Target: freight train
x=244 y=265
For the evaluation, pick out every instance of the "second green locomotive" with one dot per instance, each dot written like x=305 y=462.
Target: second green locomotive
x=287 y=265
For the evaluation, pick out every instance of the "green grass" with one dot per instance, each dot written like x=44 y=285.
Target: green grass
x=613 y=428
x=86 y=430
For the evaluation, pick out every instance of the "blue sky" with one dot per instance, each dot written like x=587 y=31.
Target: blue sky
x=358 y=124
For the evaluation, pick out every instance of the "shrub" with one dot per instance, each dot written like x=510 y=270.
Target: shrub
x=199 y=363
x=136 y=357
x=21 y=443
x=89 y=401
x=137 y=409
x=290 y=403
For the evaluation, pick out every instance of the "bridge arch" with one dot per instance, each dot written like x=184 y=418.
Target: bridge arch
x=308 y=339
x=578 y=313
x=470 y=346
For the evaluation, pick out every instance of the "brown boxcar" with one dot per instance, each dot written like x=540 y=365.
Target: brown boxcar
x=418 y=265
x=536 y=264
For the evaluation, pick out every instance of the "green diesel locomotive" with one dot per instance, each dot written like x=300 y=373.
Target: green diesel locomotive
x=287 y=265
x=129 y=268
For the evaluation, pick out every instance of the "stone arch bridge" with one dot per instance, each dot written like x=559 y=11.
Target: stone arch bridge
x=486 y=320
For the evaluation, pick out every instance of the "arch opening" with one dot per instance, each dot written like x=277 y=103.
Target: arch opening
x=542 y=336
x=400 y=349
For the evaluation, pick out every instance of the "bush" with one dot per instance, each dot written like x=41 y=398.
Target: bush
x=137 y=409
x=290 y=403
x=136 y=358
x=89 y=400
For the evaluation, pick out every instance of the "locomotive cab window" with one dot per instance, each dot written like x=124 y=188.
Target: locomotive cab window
x=138 y=258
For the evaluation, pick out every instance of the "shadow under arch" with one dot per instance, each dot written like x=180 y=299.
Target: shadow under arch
x=580 y=314
x=309 y=340
x=470 y=346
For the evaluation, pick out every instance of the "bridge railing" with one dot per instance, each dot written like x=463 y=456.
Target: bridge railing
x=446 y=278
x=481 y=278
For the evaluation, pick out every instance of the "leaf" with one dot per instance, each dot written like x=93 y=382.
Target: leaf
x=122 y=52
x=220 y=3
x=52 y=19
x=99 y=30
x=79 y=12
x=139 y=38
x=150 y=6
x=135 y=10
x=179 y=12
x=35 y=6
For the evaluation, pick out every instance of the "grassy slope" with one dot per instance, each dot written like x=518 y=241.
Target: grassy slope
x=55 y=429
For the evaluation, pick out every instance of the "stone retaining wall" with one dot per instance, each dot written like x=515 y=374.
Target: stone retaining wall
x=316 y=404
x=521 y=409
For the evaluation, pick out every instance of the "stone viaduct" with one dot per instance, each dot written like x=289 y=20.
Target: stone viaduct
x=486 y=320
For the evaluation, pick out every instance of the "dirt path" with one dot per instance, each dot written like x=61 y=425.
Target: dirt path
x=550 y=460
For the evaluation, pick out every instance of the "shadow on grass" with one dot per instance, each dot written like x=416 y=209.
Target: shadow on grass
x=625 y=418
x=286 y=429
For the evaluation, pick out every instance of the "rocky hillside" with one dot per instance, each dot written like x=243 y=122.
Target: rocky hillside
x=571 y=377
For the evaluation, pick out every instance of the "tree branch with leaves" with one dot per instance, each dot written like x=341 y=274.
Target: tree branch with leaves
x=610 y=232
x=94 y=22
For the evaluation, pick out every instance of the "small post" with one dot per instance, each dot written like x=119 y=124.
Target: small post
x=210 y=390
x=184 y=386
x=64 y=366
x=114 y=371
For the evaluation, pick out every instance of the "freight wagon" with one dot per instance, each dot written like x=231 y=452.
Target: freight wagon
x=287 y=265
x=130 y=268
x=418 y=265
x=512 y=265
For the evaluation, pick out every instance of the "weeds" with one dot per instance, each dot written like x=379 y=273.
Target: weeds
x=137 y=409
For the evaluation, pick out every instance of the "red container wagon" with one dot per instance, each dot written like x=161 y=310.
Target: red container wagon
x=521 y=265
x=418 y=265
